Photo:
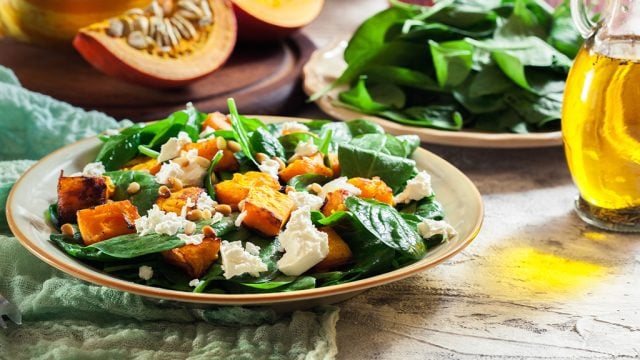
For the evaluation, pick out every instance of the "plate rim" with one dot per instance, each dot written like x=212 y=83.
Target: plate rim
x=86 y=273
x=314 y=81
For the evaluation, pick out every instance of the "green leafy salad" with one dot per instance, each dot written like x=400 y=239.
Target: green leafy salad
x=210 y=203
x=488 y=65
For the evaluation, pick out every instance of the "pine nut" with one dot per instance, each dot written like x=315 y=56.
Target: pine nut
x=224 y=209
x=281 y=164
x=221 y=143
x=206 y=214
x=234 y=146
x=315 y=187
x=195 y=215
x=182 y=161
x=189 y=227
x=133 y=188
x=289 y=189
x=208 y=232
x=67 y=230
x=202 y=162
x=164 y=191
x=261 y=157
x=175 y=183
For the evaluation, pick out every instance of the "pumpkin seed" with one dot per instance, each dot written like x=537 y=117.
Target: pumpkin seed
x=137 y=40
x=116 y=28
x=207 y=17
x=191 y=31
x=135 y=12
x=187 y=14
x=142 y=23
x=178 y=28
x=189 y=6
x=173 y=40
x=127 y=24
x=155 y=9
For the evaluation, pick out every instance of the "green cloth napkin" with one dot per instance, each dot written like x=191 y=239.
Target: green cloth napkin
x=66 y=318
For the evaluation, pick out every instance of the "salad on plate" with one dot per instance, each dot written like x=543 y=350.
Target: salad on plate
x=226 y=204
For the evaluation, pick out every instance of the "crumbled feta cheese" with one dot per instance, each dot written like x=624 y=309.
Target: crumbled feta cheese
x=195 y=239
x=237 y=261
x=158 y=222
x=205 y=202
x=190 y=155
x=194 y=282
x=303 y=244
x=301 y=199
x=193 y=174
x=93 y=169
x=417 y=188
x=271 y=167
x=168 y=170
x=292 y=127
x=339 y=184
x=305 y=148
x=252 y=248
x=207 y=130
x=428 y=228
x=240 y=218
x=145 y=272
x=216 y=217
x=171 y=149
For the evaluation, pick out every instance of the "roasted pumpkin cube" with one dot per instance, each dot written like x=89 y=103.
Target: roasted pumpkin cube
x=334 y=162
x=216 y=121
x=373 y=188
x=77 y=193
x=106 y=221
x=231 y=192
x=339 y=252
x=178 y=199
x=306 y=165
x=143 y=163
x=208 y=149
x=194 y=259
x=335 y=202
x=267 y=210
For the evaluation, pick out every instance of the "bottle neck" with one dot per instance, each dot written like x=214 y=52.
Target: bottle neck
x=618 y=31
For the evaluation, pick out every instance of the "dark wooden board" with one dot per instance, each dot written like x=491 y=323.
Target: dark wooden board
x=263 y=78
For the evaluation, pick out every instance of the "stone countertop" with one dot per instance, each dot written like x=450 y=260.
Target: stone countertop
x=536 y=283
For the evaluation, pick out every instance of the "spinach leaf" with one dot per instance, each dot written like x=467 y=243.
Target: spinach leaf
x=290 y=141
x=121 y=148
x=301 y=182
x=452 y=61
x=563 y=34
x=387 y=144
x=427 y=208
x=242 y=135
x=120 y=247
x=343 y=132
x=145 y=197
x=358 y=162
x=263 y=142
x=388 y=226
x=444 y=117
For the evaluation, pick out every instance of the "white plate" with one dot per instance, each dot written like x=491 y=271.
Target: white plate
x=36 y=189
x=326 y=65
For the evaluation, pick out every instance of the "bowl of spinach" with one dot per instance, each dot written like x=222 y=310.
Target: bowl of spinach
x=466 y=73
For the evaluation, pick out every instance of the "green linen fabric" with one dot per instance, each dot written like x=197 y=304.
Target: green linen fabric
x=66 y=318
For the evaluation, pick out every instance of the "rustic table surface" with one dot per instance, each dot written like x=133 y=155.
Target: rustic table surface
x=536 y=283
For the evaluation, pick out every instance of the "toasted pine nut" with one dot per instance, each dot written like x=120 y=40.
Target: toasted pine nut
x=164 y=191
x=315 y=187
x=221 y=143
x=261 y=157
x=175 y=183
x=133 y=188
x=182 y=161
x=233 y=146
x=281 y=164
x=224 y=209
x=206 y=214
x=202 y=161
x=67 y=230
x=189 y=227
x=194 y=215
x=289 y=189
x=208 y=232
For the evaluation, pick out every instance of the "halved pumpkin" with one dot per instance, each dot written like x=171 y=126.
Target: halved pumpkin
x=181 y=63
x=274 y=19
